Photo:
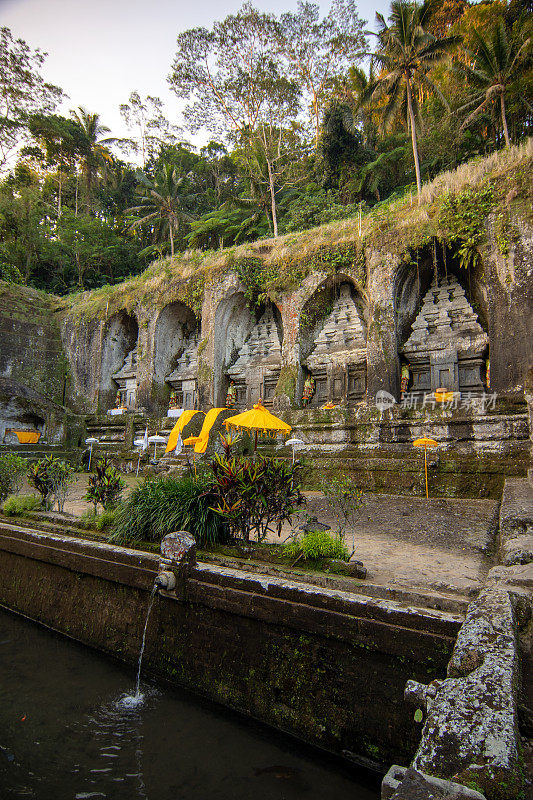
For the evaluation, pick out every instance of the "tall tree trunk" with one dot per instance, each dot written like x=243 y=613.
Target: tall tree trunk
x=77 y=184
x=272 y=198
x=413 y=136
x=504 y=121
x=171 y=241
x=317 y=120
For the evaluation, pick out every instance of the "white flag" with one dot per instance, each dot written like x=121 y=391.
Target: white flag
x=179 y=445
x=145 y=439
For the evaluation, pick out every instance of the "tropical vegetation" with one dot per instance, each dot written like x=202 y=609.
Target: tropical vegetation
x=311 y=120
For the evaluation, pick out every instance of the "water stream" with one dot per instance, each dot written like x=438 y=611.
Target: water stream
x=138 y=696
x=65 y=734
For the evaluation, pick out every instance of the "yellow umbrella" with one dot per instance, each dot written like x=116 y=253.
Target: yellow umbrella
x=425 y=442
x=258 y=419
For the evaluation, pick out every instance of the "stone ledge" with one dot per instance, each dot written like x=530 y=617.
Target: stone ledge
x=471 y=731
x=407 y=784
x=516 y=522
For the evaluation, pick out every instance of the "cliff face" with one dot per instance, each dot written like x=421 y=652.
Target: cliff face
x=31 y=352
x=475 y=224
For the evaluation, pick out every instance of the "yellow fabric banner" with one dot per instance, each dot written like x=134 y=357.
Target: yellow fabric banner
x=209 y=421
x=28 y=437
x=183 y=420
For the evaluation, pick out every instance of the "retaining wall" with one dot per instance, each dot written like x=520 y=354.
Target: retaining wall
x=327 y=666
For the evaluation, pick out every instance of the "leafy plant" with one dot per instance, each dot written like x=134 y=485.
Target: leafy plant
x=463 y=218
x=162 y=505
x=256 y=496
x=105 y=487
x=12 y=471
x=346 y=500
x=52 y=478
x=317 y=545
x=98 y=522
x=17 y=506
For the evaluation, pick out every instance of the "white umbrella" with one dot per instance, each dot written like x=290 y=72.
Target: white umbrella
x=155 y=440
x=295 y=444
x=90 y=441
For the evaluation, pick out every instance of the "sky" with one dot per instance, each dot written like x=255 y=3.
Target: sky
x=99 y=51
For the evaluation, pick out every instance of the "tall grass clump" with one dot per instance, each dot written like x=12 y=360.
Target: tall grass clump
x=317 y=545
x=12 y=471
x=19 y=505
x=162 y=505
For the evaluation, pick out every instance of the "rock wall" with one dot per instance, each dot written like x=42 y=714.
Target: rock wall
x=388 y=296
x=326 y=666
x=34 y=372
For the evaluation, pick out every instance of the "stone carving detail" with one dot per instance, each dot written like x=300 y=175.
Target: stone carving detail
x=184 y=378
x=338 y=359
x=258 y=365
x=126 y=378
x=447 y=345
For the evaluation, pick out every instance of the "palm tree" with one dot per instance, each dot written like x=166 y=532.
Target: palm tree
x=406 y=53
x=162 y=206
x=94 y=151
x=496 y=62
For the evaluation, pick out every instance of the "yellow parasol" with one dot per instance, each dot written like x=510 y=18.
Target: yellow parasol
x=258 y=419
x=177 y=430
x=425 y=442
x=327 y=406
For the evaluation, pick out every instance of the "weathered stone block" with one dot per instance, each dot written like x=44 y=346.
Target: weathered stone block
x=471 y=731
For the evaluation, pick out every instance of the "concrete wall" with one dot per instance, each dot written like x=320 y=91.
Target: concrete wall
x=326 y=666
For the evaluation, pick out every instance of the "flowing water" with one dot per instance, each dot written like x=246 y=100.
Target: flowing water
x=67 y=734
x=138 y=695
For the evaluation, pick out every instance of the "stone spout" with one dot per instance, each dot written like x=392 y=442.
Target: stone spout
x=166 y=580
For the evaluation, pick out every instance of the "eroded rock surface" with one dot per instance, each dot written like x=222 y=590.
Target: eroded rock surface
x=471 y=732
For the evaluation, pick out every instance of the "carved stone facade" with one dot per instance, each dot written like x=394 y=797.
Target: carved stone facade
x=184 y=378
x=447 y=347
x=257 y=367
x=337 y=362
x=126 y=380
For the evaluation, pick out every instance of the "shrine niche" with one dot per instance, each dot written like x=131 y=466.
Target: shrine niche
x=175 y=370
x=118 y=372
x=335 y=363
x=184 y=378
x=233 y=324
x=447 y=347
x=255 y=372
x=126 y=380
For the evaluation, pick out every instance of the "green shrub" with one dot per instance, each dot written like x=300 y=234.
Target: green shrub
x=52 y=479
x=162 y=505
x=18 y=505
x=105 y=486
x=316 y=545
x=256 y=495
x=12 y=471
x=98 y=522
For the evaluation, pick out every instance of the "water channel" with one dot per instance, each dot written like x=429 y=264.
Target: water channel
x=66 y=734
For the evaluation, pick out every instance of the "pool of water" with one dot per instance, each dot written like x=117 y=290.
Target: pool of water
x=66 y=734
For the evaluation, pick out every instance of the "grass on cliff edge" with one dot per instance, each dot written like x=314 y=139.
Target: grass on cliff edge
x=393 y=227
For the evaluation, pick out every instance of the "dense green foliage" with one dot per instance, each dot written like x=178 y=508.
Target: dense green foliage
x=19 y=505
x=256 y=495
x=12 y=471
x=303 y=135
x=162 y=505
x=105 y=486
x=52 y=478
